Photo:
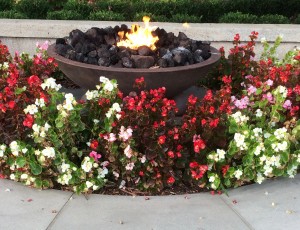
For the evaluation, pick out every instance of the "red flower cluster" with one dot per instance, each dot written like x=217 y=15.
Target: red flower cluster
x=197 y=170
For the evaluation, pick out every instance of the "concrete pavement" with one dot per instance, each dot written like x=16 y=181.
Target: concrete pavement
x=275 y=204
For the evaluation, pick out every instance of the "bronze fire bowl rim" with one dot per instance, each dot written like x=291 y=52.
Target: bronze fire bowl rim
x=215 y=56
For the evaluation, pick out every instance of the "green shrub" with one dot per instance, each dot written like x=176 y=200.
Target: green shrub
x=238 y=17
x=6 y=4
x=35 y=9
x=64 y=15
x=297 y=20
x=12 y=14
x=81 y=7
x=57 y=4
x=273 y=19
x=106 y=16
x=181 y=18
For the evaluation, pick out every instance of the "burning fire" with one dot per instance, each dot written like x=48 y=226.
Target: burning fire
x=138 y=36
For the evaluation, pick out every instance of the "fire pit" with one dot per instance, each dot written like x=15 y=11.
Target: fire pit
x=163 y=59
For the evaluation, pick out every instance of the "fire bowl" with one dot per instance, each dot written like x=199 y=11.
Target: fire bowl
x=174 y=79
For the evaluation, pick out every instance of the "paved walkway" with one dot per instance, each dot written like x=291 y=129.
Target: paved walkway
x=275 y=204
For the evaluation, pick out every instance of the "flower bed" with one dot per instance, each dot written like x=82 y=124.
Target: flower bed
x=245 y=129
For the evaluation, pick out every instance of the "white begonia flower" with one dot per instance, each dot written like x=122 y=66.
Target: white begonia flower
x=64 y=167
x=90 y=95
x=47 y=126
x=240 y=141
x=282 y=90
x=14 y=147
x=292 y=172
x=213 y=186
x=263 y=40
x=37 y=152
x=48 y=152
x=68 y=106
x=24 y=176
x=118 y=116
x=259 y=149
x=108 y=114
x=212 y=179
x=96 y=121
x=116 y=107
x=12 y=176
x=268 y=170
x=42 y=158
x=257 y=132
x=128 y=151
x=95 y=165
x=89 y=184
x=143 y=159
x=87 y=164
x=274 y=161
x=122 y=184
x=267 y=135
x=66 y=178
x=27 y=183
x=116 y=174
x=2 y=150
x=259 y=178
x=280 y=133
x=24 y=150
x=59 y=107
x=221 y=153
x=239 y=118
x=213 y=157
x=95 y=187
x=40 y=102
x=258 y=113
x=129 y=166
x=102 y=172
x=298 y=158
x=238 y=173
x=49 y=83
x=31 y=109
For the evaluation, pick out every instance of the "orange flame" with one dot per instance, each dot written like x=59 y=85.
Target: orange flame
x=138 y=36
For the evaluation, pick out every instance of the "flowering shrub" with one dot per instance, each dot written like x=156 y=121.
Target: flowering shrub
x=246 y=131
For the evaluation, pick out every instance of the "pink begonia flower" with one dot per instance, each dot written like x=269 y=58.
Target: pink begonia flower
x=287 y=104
x=124 y=135
x=269 y=97
x=95 y=155
x=44 y=46
x=104 y=163
x=129 y=166
x=111 y=137
x=242 y=104
x=251 y=90
x=128 y=151
x=249 y=76
x=269 y=82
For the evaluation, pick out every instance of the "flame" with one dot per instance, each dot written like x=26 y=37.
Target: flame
x=138 y=36
x=186 y=25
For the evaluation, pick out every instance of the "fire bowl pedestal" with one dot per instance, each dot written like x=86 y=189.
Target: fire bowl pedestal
x=174 y=79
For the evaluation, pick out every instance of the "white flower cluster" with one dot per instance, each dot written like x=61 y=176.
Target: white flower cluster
x=258 y=113
x=129 y=166
x=240 y=141
x=69 y=102
x=50 y=83
x=280 y=133
x=48 y=152
x=40 y=102
x=40 y=131
x=93 y=94
x=87 y=164
x=14 y=148
x=217 y=156
x=238 y=173
x=4 y=66
x=107 y=84
x=212 y=178
x=67 y=176
x=2 y=150
x=259 y=178
x=239 y=118
x=115 y=108
x=292 y=172
x=31 y=109
x=282 y=90
x=269 y=163
x=25 y=178
x=279 y=146
x=259 y=149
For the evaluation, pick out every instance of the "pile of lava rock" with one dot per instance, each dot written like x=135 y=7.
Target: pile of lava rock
x=97 y=46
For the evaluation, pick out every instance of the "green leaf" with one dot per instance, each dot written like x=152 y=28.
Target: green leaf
x=248 y=171
x=285 y=156
x=21 y=161
x=59 y=123
x=20 y=90
x=277 y=172
x=36 y=169
x=38 y=183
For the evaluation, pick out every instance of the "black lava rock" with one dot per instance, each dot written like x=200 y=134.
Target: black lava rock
x=127 y=62
x=142 y=62
x=144 y=50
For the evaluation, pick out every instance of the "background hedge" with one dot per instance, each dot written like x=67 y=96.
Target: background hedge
x=204 y=11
